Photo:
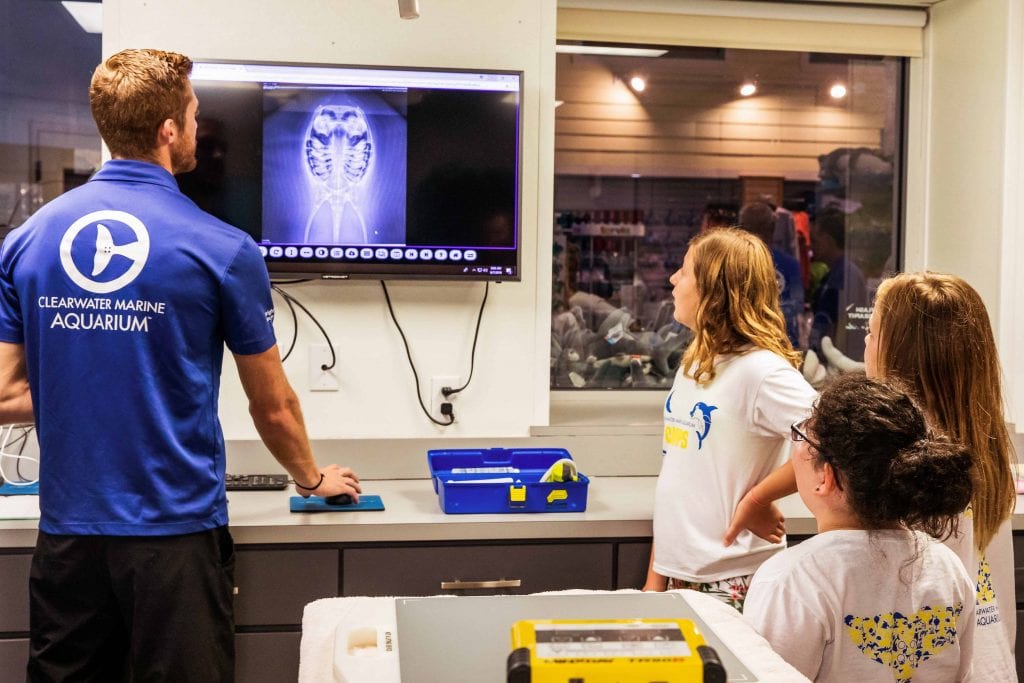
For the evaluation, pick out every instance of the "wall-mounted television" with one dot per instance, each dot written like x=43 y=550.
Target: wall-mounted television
x=363 y=172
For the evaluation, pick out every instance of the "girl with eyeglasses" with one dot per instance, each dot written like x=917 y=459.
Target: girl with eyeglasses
x=931 y=332
x=872 y=597
x=727 y=417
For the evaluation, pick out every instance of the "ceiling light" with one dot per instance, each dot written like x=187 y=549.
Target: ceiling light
x=89 y=15
x=837 y=91
x=748 y=89
x=612 y=50
x=637 y=83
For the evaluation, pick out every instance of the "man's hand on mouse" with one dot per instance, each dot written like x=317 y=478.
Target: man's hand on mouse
x=336 y=480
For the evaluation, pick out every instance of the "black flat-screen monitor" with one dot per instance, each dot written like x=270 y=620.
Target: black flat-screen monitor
x=363 y=172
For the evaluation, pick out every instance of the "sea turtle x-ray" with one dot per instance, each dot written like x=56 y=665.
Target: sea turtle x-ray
x=339 y=156
x=334 y=166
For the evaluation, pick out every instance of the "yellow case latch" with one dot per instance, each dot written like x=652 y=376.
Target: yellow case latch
x=558 y=497
x=517 y=496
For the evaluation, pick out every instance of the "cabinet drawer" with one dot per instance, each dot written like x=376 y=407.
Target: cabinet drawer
x=1018 y=566
x=514 y=569
x=267 y=657
x=273 y=586
x=14 y=658
x=634 y=558
x=1020 y=642
x=14 y=571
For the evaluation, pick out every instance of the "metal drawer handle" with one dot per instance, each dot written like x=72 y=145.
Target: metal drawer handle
x=469 y=585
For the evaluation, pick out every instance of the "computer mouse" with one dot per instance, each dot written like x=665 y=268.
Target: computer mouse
x=339 y=499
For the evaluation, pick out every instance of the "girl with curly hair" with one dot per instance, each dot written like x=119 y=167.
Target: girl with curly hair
x=873 y=597
x=727 y=416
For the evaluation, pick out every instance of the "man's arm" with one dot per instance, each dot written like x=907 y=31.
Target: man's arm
x=277 y=415
x=15 y=400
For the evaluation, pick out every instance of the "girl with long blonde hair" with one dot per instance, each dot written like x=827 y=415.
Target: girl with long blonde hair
x=727 y=417
x=931 y=332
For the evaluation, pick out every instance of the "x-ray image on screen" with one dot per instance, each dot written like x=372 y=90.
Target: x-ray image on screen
x=334 y=166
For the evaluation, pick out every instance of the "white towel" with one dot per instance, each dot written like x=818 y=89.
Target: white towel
x=322 y=617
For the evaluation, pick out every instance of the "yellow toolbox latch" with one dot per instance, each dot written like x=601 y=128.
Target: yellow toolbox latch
x=558 y=497
x=517 y=495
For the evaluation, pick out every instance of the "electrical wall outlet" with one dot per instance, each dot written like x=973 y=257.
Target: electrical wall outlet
x=437 y=398
x=320 y=379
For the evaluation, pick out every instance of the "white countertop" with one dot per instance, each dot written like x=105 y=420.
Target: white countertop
x=617 y=507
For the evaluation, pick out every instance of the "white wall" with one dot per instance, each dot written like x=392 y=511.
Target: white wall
x=509 y=392
x=971 y=163
x=966 y=50
x=962 y=218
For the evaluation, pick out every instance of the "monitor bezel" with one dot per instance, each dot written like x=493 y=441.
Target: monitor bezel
x=337 y=270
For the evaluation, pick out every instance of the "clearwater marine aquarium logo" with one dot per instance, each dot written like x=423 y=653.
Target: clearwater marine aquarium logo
x=96 y=250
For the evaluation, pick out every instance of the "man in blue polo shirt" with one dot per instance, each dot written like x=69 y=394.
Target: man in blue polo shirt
x=116 y=302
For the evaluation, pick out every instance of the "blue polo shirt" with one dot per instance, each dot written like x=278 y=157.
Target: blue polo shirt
x=124 y=294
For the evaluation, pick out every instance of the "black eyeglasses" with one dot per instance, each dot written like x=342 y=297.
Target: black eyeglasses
x=797 y=433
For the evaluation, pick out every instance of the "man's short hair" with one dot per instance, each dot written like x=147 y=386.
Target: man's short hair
x=133 y=92
x=719 y=216
x=758 y=218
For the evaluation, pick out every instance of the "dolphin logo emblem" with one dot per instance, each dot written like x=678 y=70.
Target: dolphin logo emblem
x=137 y=252
x=705 y=417
x=106 y=249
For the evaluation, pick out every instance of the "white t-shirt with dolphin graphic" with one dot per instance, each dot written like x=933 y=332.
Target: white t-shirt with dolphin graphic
x=719 y=440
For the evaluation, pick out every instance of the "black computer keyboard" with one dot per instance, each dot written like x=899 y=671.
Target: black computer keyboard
x=255 y=482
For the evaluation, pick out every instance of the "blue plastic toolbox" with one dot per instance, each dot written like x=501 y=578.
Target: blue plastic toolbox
x=506 y=480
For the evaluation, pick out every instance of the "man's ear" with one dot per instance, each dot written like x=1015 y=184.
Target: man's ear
x=166 y=133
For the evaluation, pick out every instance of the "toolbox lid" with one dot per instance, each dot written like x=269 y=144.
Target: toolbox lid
x=493 y=460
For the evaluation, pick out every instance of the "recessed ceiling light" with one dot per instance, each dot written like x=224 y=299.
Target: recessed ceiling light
x=637 y=83
x=612 y=50
x=748 y=89
x=837 y=91
x=89 y=15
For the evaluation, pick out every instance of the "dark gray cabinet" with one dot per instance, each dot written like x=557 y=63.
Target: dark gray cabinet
x=476 y=569
x=14 y=592
x=272 y=586
x=1018 y=571
x=632 y=564
x=275 y=582
x=267 y=657
x=14 y=658
x=14 y=569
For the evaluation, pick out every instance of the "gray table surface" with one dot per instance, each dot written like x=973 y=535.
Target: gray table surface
x=469 y=638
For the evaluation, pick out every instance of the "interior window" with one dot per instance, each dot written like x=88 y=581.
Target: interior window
x=48 y=141
x=654 y=145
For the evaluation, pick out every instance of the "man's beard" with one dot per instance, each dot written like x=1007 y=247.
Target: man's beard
x=183 y=155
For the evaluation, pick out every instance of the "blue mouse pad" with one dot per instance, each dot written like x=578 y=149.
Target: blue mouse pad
x=12 y=490
x=317 y=504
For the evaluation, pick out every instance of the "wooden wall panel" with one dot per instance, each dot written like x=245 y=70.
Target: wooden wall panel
x=690 y=121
